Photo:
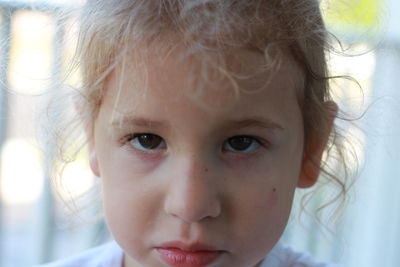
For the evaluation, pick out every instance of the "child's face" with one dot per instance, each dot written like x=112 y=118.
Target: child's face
x=204 y=181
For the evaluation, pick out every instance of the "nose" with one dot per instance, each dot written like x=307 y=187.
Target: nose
x=193 y=195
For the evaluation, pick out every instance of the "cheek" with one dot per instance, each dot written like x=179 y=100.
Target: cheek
x=259 y=222
x=121 y=206
x=265 y=207
x=131 y=211
x=133 y=198
x=131 y=191
x=123 y=162
x=272 y=199
x=257 y=205
x=136 y=163
x=265 y=203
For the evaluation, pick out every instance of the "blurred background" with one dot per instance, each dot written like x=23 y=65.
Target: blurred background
x=35 y=224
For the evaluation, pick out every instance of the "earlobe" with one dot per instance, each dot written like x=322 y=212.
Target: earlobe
x=309 y=173
x=311 y=165
x=94 y=164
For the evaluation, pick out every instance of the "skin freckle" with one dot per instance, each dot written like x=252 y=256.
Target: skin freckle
x=272 y=199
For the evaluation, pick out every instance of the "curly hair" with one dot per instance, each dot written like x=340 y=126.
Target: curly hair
x=111 y=29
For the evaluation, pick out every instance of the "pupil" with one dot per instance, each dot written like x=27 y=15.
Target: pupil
x=240 y=142
x=149 y=141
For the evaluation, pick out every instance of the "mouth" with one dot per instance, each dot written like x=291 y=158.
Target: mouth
x=178 y=254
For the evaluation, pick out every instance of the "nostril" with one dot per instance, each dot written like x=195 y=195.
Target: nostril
x=192 y=203
x=189 y=211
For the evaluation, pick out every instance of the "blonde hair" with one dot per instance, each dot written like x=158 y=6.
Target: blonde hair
x=109 y=29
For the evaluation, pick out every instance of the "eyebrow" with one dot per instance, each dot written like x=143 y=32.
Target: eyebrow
x=139 y=122
x=258 y=122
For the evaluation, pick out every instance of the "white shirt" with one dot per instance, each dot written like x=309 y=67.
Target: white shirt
x=111 y=255
x=107 y=255
x=284 y=256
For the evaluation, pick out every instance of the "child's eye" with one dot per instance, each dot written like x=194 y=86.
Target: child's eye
x=147 y=141
x=241 y=144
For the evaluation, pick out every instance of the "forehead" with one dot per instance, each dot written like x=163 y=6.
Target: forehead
x=178 y=90
x=207 y=79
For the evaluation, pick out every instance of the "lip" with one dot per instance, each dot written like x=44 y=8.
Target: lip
x=179 y=254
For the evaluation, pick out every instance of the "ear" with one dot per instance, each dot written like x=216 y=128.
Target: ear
x=93 y=162
x=315 y=148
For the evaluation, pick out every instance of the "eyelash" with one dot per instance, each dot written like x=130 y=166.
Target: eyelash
x=254 y=141
x=132 y=137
